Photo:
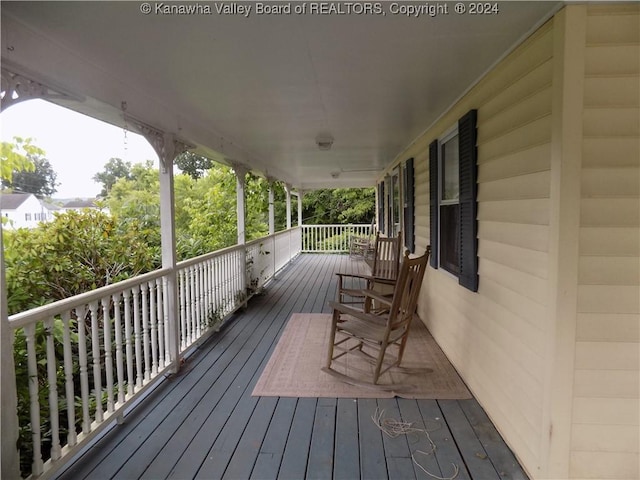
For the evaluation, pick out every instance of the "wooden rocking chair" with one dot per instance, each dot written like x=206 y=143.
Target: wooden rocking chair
x=364 y=332
x=385 y=261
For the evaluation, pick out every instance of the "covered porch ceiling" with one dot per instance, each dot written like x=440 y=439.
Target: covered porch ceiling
x=260 y=89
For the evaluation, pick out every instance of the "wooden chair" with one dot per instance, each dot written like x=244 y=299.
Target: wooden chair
x=360 y=246
x=363 y=332
x=384 y=263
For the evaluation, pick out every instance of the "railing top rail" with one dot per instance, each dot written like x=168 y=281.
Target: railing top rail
x=340 y=225
x=207 y=256
x=277 y=234
x=22 y=319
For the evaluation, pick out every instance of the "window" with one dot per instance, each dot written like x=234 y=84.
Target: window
x=27 y=216
x=381 y=200
x=394 y=203
x=453 y=185
x=449 y=201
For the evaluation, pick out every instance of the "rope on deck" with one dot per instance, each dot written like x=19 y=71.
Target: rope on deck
x=395 y=428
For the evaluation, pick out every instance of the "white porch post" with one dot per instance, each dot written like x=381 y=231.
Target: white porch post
x=240 y=172
x=272 y=214
x=167 y=146
x=287 y=189
x=168 y=238
x=300 y=195
x=9 y=456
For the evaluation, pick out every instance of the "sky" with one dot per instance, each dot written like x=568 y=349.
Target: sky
x=77 y=146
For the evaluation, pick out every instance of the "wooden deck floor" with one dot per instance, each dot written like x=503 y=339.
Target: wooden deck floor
x=204 y=423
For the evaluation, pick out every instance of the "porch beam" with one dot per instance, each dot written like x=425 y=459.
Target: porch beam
x=9 y=456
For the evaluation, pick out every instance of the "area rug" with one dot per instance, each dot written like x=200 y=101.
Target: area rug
x=294 y=368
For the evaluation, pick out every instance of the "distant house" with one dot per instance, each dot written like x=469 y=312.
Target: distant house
x=23 y=210
x=79 y=204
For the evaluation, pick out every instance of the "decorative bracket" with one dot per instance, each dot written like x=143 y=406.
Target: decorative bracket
x=240 y=170
x=16 y=88
x=166 y=145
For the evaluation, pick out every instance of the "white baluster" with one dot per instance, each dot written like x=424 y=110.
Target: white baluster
x=137 y=336
x=95 y=351
x=32 y=368
x=183 y=309
x=108 y=358
x=153 y=320
x=161 y=323
x=128 y=338
x=68 y=376
x=167 y=334
x=117 y=321
x=145 y=332
x=84 y=368
x=52 y=379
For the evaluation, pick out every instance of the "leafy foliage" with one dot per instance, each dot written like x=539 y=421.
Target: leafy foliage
x=337 y=206
x=25 y=169
x=75 y=253
x=193 y=165
x=41 y=181
x=114 y=170
x=15 y=157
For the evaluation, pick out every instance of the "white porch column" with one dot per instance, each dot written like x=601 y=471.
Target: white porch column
x=168 y=238
x=241 y=172
x=9 y=457
x=287 y=189
x=272 y=213
x=167 y=146
x=300 y=195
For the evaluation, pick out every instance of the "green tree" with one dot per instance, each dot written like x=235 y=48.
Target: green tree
x=114 y=170
x=193 y=164
x=75 y=253
x=341 y=205
x=41 y=181
x=24 y=168
x=15 y=157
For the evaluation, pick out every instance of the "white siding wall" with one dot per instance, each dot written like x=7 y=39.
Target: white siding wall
x=605 y=424
x=496 y=337
x=550 y=342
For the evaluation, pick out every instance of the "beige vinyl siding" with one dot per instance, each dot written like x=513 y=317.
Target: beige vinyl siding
x=605 y=424
x=495 y=338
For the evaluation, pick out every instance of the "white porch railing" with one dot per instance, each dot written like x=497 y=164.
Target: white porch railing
x=105 y=348
x=331 y=238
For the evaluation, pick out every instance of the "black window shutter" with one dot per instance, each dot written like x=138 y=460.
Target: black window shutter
x=409 y=211
x=381 y=201
x=467 y=136
x=433 y=202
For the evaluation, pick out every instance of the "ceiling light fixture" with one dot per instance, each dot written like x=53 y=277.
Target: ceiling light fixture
x=324 y=142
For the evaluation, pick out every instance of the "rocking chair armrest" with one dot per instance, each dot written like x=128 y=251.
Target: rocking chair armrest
x=354 y=312
x=356 y=275
x=378 y=297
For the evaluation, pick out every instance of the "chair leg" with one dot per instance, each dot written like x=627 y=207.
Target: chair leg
x=376 y=373
x=332 y=337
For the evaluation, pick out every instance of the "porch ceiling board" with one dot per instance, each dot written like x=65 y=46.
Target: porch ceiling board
x=204 y=423
x=260 y=89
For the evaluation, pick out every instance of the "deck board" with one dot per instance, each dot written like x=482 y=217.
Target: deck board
x=204 y=423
